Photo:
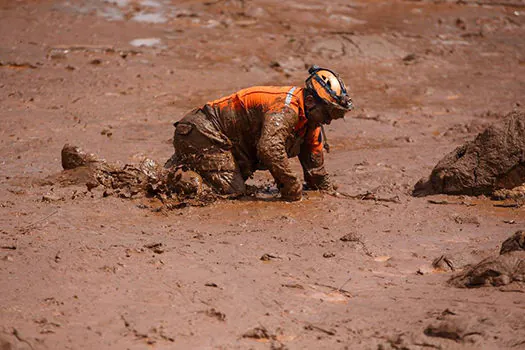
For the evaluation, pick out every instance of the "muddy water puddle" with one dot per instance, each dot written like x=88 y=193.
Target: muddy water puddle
x=506 y=211
x=271 y=208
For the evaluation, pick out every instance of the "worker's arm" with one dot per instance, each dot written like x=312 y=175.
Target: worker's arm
x=271 y=150
x=312 y=160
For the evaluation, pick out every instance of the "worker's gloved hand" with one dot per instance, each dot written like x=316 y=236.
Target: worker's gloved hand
x=321 y=183
x=327 y=186
x=291 y=191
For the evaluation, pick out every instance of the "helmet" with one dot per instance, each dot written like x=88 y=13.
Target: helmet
x=329 y=87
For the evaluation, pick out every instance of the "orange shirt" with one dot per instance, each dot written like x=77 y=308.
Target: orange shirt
x=259 y=100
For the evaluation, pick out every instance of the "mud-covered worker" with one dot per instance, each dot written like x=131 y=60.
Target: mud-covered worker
x=259 y=128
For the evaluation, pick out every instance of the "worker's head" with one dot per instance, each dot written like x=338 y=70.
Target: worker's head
x=326 y=97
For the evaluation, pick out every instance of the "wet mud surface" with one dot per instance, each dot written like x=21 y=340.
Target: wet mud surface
x=82 y=268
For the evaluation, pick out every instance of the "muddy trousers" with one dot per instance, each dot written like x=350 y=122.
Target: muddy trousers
x=200 y=147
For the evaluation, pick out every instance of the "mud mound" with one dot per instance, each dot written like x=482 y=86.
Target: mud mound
x=494 y=160
x=501 y=270
x=126 y=181
x=174 y=187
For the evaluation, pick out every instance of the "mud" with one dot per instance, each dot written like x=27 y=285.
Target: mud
x=81 y=270
x=494 y=160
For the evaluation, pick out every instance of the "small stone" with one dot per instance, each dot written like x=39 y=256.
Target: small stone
x=410 y=58
x=257 y=333
x=351 y=237
x=51 y=198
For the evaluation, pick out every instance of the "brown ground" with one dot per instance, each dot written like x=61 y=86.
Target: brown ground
x=83 y=271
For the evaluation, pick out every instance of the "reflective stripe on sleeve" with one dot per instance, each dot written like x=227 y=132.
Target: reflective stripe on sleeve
x=289 y=96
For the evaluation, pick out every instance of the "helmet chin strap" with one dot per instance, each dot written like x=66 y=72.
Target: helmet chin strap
x=326 y=146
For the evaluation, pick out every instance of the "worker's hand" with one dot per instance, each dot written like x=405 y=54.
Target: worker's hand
x=321 y=183
x=291 y=192
x=328 y=187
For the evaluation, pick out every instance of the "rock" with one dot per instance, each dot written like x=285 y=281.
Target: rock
x=515 y=243
x=351 y=237
x=410 y=58
x=516 y=193
x=74 y=157
x=157 y=248
x=257 y=333
x=51 y=198
x=494 y=160
x=452 y=327
x=493 y=271
x=268 y=257
x=221 y=316
x=461 y=24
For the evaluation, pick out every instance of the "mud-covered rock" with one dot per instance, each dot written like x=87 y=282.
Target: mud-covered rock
x=74 y=157
x=453 y=328
x=514 y=243
x=494 y=160
x=493 y=271
x=516 y=193
x=258 y=333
